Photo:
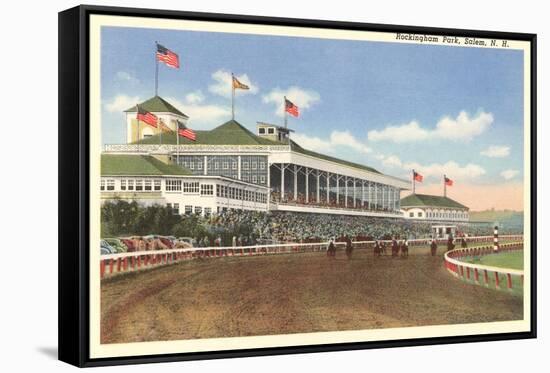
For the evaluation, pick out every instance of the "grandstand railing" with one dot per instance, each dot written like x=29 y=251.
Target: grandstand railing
x=193 y=148
x=132 y=261
x=482 y=274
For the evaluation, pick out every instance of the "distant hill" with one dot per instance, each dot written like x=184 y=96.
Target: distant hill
x=508 y=219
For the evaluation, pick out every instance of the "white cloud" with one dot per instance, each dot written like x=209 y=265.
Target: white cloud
x=302 y=98
x=392 y=161
x=451 y=168
x=194 y=97
x=119 y=103
x=435 y=170
x=461 y=128
x=404 y=133
x=222 y=84
x=203 y=116
x=344 y=138
x=311 y=143
x=336 y=139
x=125 y=76
x=496 y=151
x=509 y=174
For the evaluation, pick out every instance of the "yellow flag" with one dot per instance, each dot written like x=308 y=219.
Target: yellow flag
x=239 y=85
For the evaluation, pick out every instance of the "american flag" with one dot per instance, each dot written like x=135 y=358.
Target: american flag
x=417 y=176
x=186 y=132
x=448 y=181
x=147 y=117
x=291 y=108
x=167 y=56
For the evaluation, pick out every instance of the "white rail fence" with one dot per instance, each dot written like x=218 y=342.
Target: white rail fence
x=111 y=264
x=455 y=264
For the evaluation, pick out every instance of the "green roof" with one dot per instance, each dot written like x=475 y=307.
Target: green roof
x=131 y=164
x=229 y=133
x=417 y=200
x=298 y=149
x=234 y=133
x=157 y=104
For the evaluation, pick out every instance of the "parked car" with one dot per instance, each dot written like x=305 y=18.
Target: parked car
x=106 y=248
x=117 y=244
x=186 y=240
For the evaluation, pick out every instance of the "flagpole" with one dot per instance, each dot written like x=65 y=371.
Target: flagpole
x=284 y=110
x=137 y=118
x=232 y=97
x=413 y=181
x=444 y=185
x=177 y=142
x=156 y=70
x=160 y=129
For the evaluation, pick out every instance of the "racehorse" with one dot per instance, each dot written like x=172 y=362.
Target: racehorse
x=433 y=247
x=349 y=247
x=394 y=248
x=331 y=249
x=404 y=248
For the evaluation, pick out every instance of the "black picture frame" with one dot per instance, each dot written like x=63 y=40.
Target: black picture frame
x=74 y=184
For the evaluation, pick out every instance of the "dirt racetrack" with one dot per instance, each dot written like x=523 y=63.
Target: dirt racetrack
x=280 y=294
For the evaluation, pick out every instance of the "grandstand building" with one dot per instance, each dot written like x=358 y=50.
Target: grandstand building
x=434 y=208
x=148 y=180
x=267 y=162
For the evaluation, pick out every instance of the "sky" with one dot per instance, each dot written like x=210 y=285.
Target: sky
x=395 y=107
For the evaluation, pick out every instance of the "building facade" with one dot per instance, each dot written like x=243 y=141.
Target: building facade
x=296 y=178
x=434 y=209
x=149 y=181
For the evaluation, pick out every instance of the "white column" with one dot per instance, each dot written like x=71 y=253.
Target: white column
x=328 y=187
x=346 y=192
x=295 y=183
x=239 y=167
x=375 y=194
x=396 y=207
x=318 y=187
x=282 y=181
x=268 y=184
x=337 y=190
x=307 y=185
x=362 y=194
x=369 y=194
x=354 y=197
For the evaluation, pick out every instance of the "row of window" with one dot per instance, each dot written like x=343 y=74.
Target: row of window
x=188 y=209
x=447 y=215
x=224 y=191
x=132 y=185
x=444 y=215
x=224 y=165
x=185 y=187
x=253 y=179
x=262 y=131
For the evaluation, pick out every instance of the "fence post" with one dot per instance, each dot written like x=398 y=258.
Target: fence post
x=509 y=277
x=102 y=268
x=497 y=281
x=486 y=276
x=111 y=265
x=495 y=239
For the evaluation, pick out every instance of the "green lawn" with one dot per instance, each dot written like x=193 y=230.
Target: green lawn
x=513 y=260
